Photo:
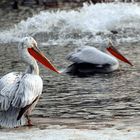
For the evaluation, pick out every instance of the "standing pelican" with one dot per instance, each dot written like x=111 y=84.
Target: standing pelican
x=89 y=60
x=19 y=92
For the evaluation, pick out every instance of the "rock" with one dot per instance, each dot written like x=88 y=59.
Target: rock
x=15 y=5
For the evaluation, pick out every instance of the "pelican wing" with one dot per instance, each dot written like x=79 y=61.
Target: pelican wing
x=30 y=87
x=20 y=90
x=24 y=109
x=90 y=55
x=8 y=86
x=9 y=79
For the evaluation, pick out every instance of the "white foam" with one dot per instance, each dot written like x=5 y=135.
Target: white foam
x=65 y=26
x=71 y=134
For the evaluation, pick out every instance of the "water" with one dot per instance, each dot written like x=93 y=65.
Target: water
x=80 y=25
x=110 y=102
x=71 y=134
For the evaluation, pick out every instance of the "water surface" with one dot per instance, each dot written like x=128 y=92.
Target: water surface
x=96 y=102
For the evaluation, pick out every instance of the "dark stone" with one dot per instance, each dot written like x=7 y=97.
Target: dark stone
x=15 y=4
x=50 y=3
x=114 y=32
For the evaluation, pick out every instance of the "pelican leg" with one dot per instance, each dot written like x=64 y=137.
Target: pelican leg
x=29 y=122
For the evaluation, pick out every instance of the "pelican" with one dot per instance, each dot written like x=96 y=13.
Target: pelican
x=89 y=60
x=20 y=91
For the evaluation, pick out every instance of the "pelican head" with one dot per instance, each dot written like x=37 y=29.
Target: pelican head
x=29 y=52
x=28 y=42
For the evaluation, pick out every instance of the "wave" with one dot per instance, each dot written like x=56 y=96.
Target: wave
x=89 y=23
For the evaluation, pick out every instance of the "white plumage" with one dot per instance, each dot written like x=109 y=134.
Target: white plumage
x=8 y=113
x=89 y=60
x=29 y=88
x=19 y=92
x=91 y=55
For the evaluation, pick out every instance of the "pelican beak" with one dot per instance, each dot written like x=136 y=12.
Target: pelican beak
x=38 y=55
x=117 y=54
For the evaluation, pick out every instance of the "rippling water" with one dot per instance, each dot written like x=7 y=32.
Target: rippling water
x=100 y=98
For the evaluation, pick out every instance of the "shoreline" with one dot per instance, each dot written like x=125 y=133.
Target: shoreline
x=43 y=123
x=59 y=132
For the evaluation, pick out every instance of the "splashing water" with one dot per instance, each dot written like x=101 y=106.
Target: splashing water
x=91 y=23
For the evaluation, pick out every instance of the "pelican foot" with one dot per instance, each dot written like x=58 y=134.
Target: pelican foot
x=29 y=123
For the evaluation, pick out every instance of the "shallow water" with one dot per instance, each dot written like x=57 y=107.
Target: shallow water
x=100 y=97
x=96 y=102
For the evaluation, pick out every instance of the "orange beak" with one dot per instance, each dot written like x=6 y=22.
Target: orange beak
x=117 y=54
x=38 y=55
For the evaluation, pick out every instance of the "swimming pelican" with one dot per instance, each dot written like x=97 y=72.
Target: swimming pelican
x=89 y=60
x=20 y=91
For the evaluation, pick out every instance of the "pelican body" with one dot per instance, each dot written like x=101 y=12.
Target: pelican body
x=20 y=91
x=89 y=60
